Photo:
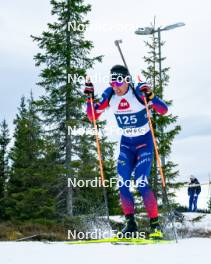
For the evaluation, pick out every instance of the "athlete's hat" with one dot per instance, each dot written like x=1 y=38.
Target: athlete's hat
x=119 y=71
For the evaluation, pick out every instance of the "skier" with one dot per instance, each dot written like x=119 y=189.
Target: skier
x=194 y=190
x=136 y=146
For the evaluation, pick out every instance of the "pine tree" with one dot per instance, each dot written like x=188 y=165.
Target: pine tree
x=4 y=166
x=165 y=126
x=209 y=205
x=209 y=199
x=29 y=190
x=65 y=55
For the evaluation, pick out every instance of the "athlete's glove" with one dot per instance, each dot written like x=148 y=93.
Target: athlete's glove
x=145 y=89
x=89 y=90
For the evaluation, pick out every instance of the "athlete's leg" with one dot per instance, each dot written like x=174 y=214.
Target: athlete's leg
x=142 y=173
x=125 y=167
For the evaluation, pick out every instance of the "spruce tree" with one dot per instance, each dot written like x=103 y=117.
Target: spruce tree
x=165 y=126
x=209 y=205
x=4 y=166
x=29 y=190
x=65 y=54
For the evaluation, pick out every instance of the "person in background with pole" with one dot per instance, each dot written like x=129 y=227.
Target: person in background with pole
x=194 y=190
x=136 y=146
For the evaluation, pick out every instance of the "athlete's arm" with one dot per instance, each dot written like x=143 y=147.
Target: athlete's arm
x=158 y=105
x=155 y=102
x=99 y=107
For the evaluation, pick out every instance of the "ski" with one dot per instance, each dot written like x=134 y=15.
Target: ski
x=122 y=241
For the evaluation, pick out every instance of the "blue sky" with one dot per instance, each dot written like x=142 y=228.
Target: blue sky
x=187 y=50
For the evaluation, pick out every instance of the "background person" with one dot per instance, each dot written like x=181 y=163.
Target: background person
x=194 y=190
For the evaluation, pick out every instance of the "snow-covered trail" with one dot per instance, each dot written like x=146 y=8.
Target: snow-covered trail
x=194 y=251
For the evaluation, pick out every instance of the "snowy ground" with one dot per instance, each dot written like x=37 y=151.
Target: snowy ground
x=194 y=251
x=190 y=250
x=191 y=224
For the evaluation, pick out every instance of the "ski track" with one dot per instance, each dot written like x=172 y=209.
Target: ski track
x=194 y=251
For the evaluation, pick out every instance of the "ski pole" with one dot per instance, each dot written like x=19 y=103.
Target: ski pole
x=160 y=169
x=98 y=144
x=155 y=145
x=100 y=159
x=117 y=42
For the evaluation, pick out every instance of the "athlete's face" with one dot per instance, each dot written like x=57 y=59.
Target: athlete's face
x=120 y=88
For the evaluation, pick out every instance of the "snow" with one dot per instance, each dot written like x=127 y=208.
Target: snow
x=192 y=226
x=203 y=225
x=189 y=250
x=194 y=250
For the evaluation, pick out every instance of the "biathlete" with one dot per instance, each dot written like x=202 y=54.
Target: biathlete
x=136 y=146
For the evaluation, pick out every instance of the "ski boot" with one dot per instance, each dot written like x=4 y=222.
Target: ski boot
x=130 y=228
x=156 y=232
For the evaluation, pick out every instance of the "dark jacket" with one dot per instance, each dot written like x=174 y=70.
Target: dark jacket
x=194 y=187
